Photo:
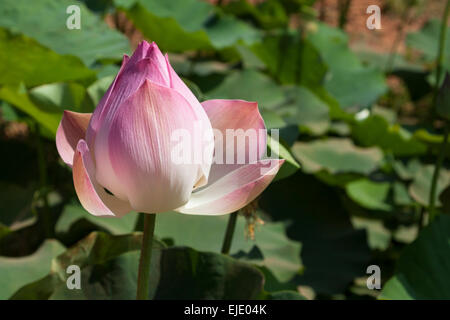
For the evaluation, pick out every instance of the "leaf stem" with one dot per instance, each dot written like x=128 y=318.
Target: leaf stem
x=45 y=214
x=229 y=233
x=437 y=168
x=146 y=256
x=439 y=58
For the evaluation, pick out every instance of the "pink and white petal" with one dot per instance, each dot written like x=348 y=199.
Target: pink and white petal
x=150 y=51
x=71 y=129
x=233 y=191
x=92 y=196
x=159 y=60
x=135 y=155
x=146 y=63
x=204 y=123
x=94 y=124
x=238 y=121
x=140 y=52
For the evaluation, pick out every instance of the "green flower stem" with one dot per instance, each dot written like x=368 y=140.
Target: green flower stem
x=146 y=257
x=437 y=168
x=44 y=215
x=229 y=233
x=441 y=156
x=440 y=56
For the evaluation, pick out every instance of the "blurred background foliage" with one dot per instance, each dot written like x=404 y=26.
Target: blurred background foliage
x=358 y=130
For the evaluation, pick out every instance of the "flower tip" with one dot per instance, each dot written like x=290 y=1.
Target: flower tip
x=82 y=147
x=253 y=104
x=143 y=44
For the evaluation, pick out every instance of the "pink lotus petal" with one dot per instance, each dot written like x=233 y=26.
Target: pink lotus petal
x=146 y=63
x=94 y=124
x=71 y=129
x=205 y=125
x=92 y=196
x=233 y=191
x=243 y=117
x=134 y=153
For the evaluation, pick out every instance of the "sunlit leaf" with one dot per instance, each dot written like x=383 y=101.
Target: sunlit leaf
x=369 y=194
x=74 y=213
x=25 y=60
x=249 y=85
x=57 y=97
x=289 y=166
x=336 y=156
x=18 y=97
x=16 y=272
x=349 y=81
x=45 y=21
x=180 y=25
x=305 y=109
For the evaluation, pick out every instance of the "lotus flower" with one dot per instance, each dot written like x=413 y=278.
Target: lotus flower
x=121 y=154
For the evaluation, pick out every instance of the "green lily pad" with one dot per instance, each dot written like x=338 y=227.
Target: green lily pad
x=98 y=89
x=268 y=14
x=57 y=97
x=16 y=272
x=15 y=202
x=289 y=166
x=249 y=85
x=109 y=267
x=116 y=226
x=18 y=97
x=322 y=224
x=181 y=25
x=401 y=195
x=26 y=61
x=337 y=156
x=306 y=110
x=407 y=171
x=291 y=59
x=369 y=194
x=423 y=270
x=8 y=113
x=426 y=40
x=354 y=85
x=45 y=21
x=376 y=131
x=419 y=189
x=378 y=237
x=279 y=254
